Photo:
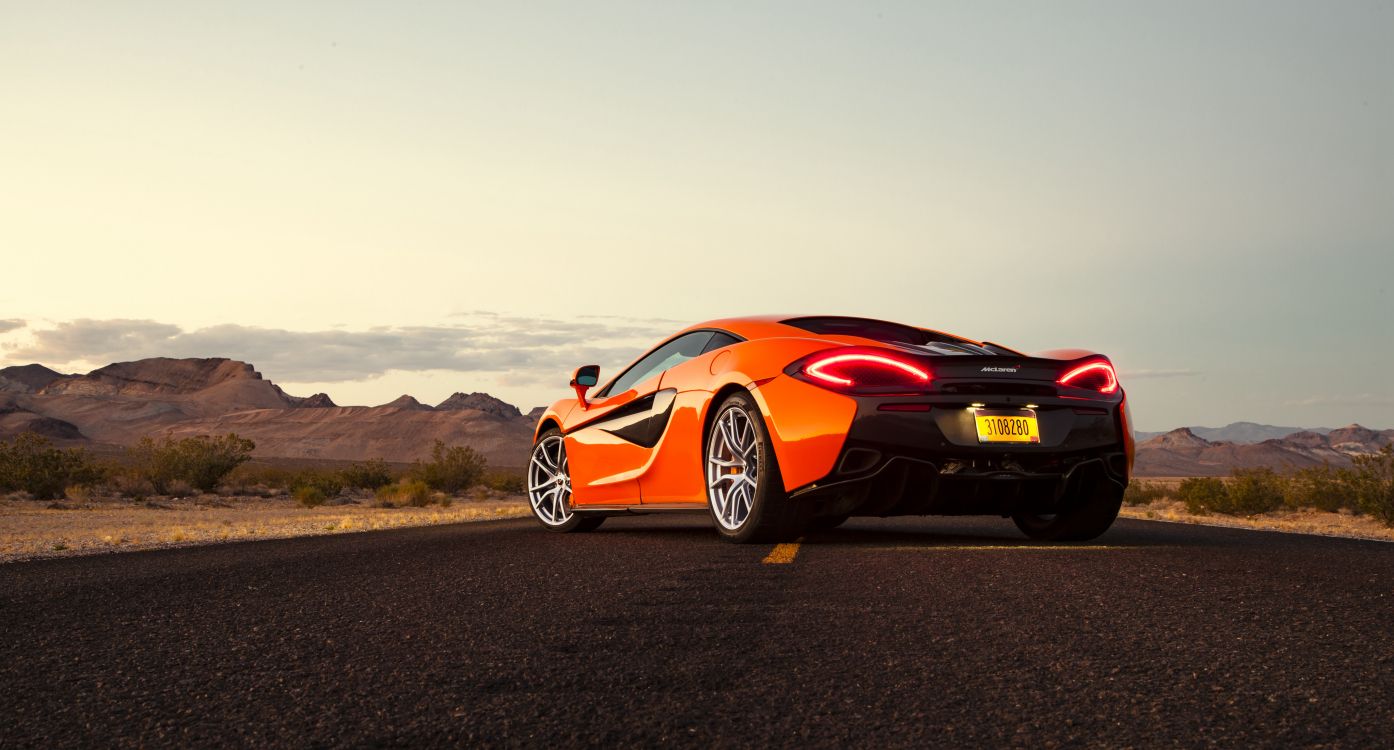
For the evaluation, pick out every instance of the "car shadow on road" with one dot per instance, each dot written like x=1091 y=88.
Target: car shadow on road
x=957 y=533
x=945 y=532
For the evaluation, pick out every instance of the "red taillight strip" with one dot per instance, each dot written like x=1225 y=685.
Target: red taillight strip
x=1106 y=368
x=814 y=369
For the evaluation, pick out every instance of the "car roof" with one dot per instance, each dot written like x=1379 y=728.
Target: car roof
x=774 y=326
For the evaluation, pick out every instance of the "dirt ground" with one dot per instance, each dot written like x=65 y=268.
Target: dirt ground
x=31 y=529
x=1306 y=521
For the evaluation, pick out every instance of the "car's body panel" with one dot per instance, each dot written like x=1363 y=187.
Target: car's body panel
x=1125 y=425
x=675 y=474
x=605 y=467
x=807 y=427
x=643 y=448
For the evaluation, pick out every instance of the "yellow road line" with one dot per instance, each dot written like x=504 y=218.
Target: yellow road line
x=782 y=554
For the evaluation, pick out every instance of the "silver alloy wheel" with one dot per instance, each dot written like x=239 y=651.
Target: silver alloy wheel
x=732 y=467
x=549 y=482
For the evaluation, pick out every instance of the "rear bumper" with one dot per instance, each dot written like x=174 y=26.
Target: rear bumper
x=930 y=462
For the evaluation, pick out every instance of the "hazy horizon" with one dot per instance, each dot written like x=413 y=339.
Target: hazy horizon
x=376 y=200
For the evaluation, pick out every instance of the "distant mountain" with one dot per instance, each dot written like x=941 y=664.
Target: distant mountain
x=26 y=378
x=405 y=402
x=317 y=401
x=1355 y=439
x=1182 y=452
x=1241 y=432
x=123 y=402
x=480 y=402
x=15 y=419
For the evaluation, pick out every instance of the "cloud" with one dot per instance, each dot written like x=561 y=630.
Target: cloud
x=1150 y=374
x=11 y=324
x=1359 y=399
x=524 y=348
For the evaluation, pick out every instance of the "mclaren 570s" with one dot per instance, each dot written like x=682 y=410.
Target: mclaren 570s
x=774 y=425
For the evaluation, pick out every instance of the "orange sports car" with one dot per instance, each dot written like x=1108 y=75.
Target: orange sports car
x=778 y=424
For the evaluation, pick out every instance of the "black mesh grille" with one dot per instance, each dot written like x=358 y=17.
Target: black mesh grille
x=998 y=389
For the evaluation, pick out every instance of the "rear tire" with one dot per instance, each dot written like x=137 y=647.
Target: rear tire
x=549 y=487
x=745 y=490
x=1085 y=517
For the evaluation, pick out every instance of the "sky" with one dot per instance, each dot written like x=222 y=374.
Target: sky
x=371 y=199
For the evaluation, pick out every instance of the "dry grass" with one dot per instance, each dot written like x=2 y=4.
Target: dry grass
x=31 y=529
x=1304 y=521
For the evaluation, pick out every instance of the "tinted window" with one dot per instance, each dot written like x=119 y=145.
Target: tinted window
x=719 y=340
x=876 y=330
x=674 y=352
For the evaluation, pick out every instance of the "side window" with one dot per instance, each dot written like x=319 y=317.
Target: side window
x=674 y=352
x=719 y=340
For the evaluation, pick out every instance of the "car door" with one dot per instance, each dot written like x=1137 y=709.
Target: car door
x=609 y=443
x=675 y=474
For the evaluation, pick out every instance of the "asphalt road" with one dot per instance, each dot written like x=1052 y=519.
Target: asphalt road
x=885 y=633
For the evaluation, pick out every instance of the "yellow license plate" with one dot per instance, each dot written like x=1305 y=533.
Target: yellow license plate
x=1007 y=427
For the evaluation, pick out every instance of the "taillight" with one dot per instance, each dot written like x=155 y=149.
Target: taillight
x=863 y=371
x=1094 y=376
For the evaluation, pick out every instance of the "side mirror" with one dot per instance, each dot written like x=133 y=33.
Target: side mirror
x=583 y=380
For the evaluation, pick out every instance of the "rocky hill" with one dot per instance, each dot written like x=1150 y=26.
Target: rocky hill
x=26 y=378
x=123 y=402
x=1241 y=432
x=15 y=419
x=1183 y=453
x=317 y=401
x=480 y=402
x=405 y=403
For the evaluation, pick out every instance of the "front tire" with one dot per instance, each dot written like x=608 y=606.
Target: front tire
x=745 y=490
x=1084 y=517
x=549 y=487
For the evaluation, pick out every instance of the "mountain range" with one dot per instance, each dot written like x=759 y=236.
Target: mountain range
x=1183 y=453
x=1240 y=432
x=123 y=402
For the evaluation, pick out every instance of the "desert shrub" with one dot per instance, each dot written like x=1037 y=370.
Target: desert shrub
x=1320 y=487
x=1372 y=480
x=451 y=468
x=252 y=476
x=508 y=482
x=80 y=493
x=131 y=485
x=240 y=486
x=30 y=463
x=309 y=496
x=1253 y=491
x=201 y=461
x=412 y=492
x=244 y=480
x=180 y=488
x=328 y=483
x=1202 y=494
x=368 y=475
x=1142 y=493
